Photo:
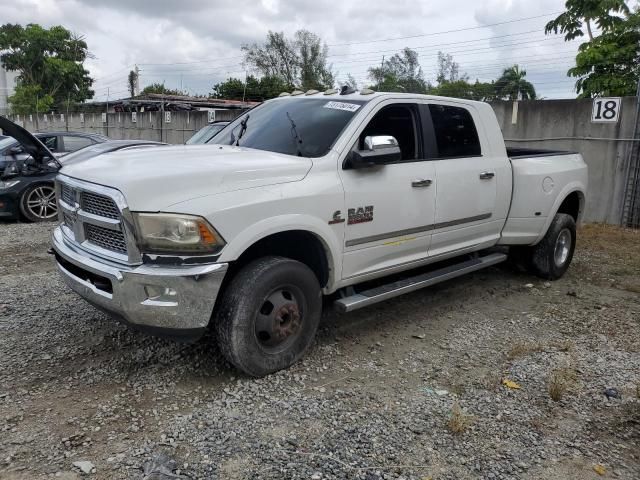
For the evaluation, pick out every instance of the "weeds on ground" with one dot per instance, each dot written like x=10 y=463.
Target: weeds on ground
x=561 y=381
x=522 y=349
x=459 y=421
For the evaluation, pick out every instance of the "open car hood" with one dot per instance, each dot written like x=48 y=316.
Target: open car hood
x=30 y=143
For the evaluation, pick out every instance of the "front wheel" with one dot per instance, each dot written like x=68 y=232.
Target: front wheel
x=38 y=203
x=551 y=257
x=268 y=315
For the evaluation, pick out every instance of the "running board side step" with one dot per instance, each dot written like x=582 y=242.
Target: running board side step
x=400 y=287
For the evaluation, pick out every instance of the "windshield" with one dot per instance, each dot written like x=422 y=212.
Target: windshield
x=205 y=134
x=7 y=142
x=306 y=127
x=87 y=152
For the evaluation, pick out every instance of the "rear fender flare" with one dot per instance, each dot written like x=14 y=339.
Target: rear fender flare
x=564 y=193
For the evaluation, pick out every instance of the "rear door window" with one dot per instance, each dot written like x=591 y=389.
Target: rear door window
x=51 y=142
x=71 y=144
x=455 y=132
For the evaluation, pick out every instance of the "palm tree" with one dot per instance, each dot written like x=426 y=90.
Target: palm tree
x=512 y=85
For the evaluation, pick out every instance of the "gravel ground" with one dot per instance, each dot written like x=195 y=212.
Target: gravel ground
x=413 y=388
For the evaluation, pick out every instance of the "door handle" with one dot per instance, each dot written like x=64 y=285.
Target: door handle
x=421 y=182
x=487 y=175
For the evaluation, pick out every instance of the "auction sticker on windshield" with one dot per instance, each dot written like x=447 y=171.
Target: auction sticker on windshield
x=349 y=107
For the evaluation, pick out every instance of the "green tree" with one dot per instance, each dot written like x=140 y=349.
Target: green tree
x=161 y=89
x=30 y=99
x=607 y=64
x=255 y=89
x=131 y=83
x=586 y=12
x=448 y=70
x=513 y=85
x=484 y=91
x=50 y=63
x=312 y=53
x=300 y=62
x=401 y=73
x=610 y=64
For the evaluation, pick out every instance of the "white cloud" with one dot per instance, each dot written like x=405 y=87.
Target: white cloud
x=121 y=33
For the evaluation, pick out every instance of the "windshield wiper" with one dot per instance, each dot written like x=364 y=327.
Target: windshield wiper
x=243 y=128
x=296 y=136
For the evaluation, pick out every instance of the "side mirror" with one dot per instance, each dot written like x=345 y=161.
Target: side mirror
x=16 y=150
x=378 y=150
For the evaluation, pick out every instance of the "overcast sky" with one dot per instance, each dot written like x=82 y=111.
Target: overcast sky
x=195 y=43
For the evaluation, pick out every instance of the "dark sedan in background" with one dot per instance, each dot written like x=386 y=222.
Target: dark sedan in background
x=58 y=143
x=27 y=187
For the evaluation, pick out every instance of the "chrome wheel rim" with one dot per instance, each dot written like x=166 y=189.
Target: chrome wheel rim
x=41 y=202
x=563 y=247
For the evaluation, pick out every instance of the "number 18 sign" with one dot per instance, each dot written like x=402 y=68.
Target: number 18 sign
x=605 y=110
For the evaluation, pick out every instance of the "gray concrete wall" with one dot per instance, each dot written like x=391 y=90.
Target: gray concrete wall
x=552 y=124
x=566 y=125
x=148 y=125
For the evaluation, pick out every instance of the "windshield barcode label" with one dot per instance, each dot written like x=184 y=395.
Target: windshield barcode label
x=348 y=107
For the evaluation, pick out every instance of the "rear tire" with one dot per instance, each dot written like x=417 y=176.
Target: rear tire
x=38 y=203
x=268 y=315
x=551 y=258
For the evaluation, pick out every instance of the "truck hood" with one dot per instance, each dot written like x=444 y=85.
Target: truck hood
x=156 y=178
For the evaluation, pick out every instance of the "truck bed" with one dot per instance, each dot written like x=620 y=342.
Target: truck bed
x=520 y=152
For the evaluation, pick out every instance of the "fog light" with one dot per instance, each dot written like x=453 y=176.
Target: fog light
x=160 y=294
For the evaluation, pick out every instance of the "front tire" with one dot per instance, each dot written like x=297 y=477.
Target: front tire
x=38 y=203
x=551 y=258
x=268 y=315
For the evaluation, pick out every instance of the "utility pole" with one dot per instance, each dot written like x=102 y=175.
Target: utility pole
x=36 y=113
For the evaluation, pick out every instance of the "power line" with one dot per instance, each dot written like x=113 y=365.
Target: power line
x=446 y=31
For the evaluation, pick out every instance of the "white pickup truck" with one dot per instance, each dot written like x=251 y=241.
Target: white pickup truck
x=357 y=196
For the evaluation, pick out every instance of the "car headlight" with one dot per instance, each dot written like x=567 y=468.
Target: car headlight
x=4 y=185
x=177 y=234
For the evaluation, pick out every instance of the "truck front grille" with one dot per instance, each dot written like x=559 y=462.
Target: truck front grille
x=94 y=217
x=99 y=205
x=105 y=238
x=67 y=194
x=68 y=220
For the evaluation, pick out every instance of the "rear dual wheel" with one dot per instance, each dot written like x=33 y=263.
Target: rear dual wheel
x=551 y=257
x=268 y=315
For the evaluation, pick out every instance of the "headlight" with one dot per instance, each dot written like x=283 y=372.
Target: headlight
x=8 y=184
x=174 y=233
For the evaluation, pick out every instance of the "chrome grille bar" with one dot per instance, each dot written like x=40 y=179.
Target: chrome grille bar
x=97 y=219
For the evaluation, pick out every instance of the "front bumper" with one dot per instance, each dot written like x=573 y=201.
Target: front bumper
x=175 y=301
x=8 y=204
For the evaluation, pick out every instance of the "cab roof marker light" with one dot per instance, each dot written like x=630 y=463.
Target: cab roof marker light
x=285 y=94
x=331 y=91
x=296 y=92
x=366 y=91
x=311 y=92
